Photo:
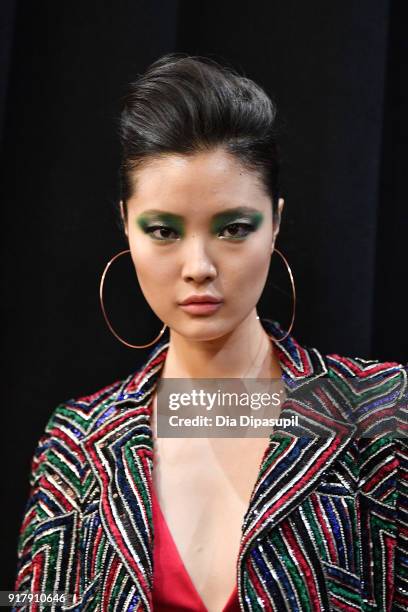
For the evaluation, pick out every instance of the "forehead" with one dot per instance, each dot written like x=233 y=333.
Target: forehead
x=215 y=177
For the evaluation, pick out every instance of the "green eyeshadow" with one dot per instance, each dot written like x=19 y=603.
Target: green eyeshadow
x=223 y=219
x=174 y=221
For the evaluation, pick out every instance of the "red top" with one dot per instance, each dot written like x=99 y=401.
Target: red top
x=173 y=589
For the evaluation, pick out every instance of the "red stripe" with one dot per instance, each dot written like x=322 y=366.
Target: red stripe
x=306 y=368
x=114 y=423
x=342 y=606
x=77 y=583
x=390 y=544
x=374 y=418
x=380 y=475
x=301 y=484
x=57 y=433
x=29 y=517
x=38 y=571
x=134 y=382
x=357 y=369
x=107 y=510
x=301 y=560
x=53 y=491
x=110 y=581
x=258 y=588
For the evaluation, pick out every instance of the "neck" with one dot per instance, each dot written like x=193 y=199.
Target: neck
x=245 y=352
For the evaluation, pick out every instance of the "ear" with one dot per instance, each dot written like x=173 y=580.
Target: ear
x=277 y=221
x=122 y=214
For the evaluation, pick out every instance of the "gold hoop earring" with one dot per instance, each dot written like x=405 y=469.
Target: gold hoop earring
x=101 y=285
x=294 y=299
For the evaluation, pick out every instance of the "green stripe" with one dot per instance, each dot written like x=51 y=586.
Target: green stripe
x=118 y=584
x=310 y=515
x=374 y=447
x=296 y=576
x=283 y=445
x=100 y=553
x=252 y=595
x=356 y=538
x=343 y=591
x=351 y=463
x=73 y=416
x=72 y=478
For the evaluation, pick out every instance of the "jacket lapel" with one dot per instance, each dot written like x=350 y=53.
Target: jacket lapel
x=120 y=452
x=297 y=457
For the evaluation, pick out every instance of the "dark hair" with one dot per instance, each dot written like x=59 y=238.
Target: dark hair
x=186 y=104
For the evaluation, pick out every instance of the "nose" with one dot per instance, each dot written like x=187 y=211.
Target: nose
x=198 y=265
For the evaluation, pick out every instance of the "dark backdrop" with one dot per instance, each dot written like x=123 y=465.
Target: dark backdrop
x=336 y=71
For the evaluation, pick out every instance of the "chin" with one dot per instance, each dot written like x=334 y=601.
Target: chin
x=203 y=328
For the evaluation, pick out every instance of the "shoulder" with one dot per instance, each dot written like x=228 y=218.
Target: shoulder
x=363 y=368
x=377 y=389
x=79 y=416
x=73 y=419
x=373 y=371
x=68 y=425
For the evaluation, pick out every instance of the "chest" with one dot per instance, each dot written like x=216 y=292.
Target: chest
x=203 y=486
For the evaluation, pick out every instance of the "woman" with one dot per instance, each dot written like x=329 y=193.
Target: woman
x=127 y=520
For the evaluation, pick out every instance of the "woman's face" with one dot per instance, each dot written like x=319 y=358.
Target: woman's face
x=200 y=224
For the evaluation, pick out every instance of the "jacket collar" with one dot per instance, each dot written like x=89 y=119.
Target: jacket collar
x=120 y=452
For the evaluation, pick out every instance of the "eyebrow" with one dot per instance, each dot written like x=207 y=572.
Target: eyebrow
x=238 y=210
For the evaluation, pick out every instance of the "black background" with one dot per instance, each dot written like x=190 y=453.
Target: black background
x=337 y=71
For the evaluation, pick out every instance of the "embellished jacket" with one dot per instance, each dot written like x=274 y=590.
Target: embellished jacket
x=326 y=528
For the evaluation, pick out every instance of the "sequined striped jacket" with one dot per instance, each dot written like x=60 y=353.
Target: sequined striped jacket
x=327 y=523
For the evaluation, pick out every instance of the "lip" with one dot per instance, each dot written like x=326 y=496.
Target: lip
x=201 y=308
x=200 y=299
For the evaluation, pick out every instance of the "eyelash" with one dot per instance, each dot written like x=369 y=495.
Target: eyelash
x=247 y=226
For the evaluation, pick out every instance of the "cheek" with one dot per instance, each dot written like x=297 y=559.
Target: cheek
x=152 y=267
x=248 y=272
x=153 y=270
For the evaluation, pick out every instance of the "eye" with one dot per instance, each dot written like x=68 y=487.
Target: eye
x=160 y=228
x=239 y=230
